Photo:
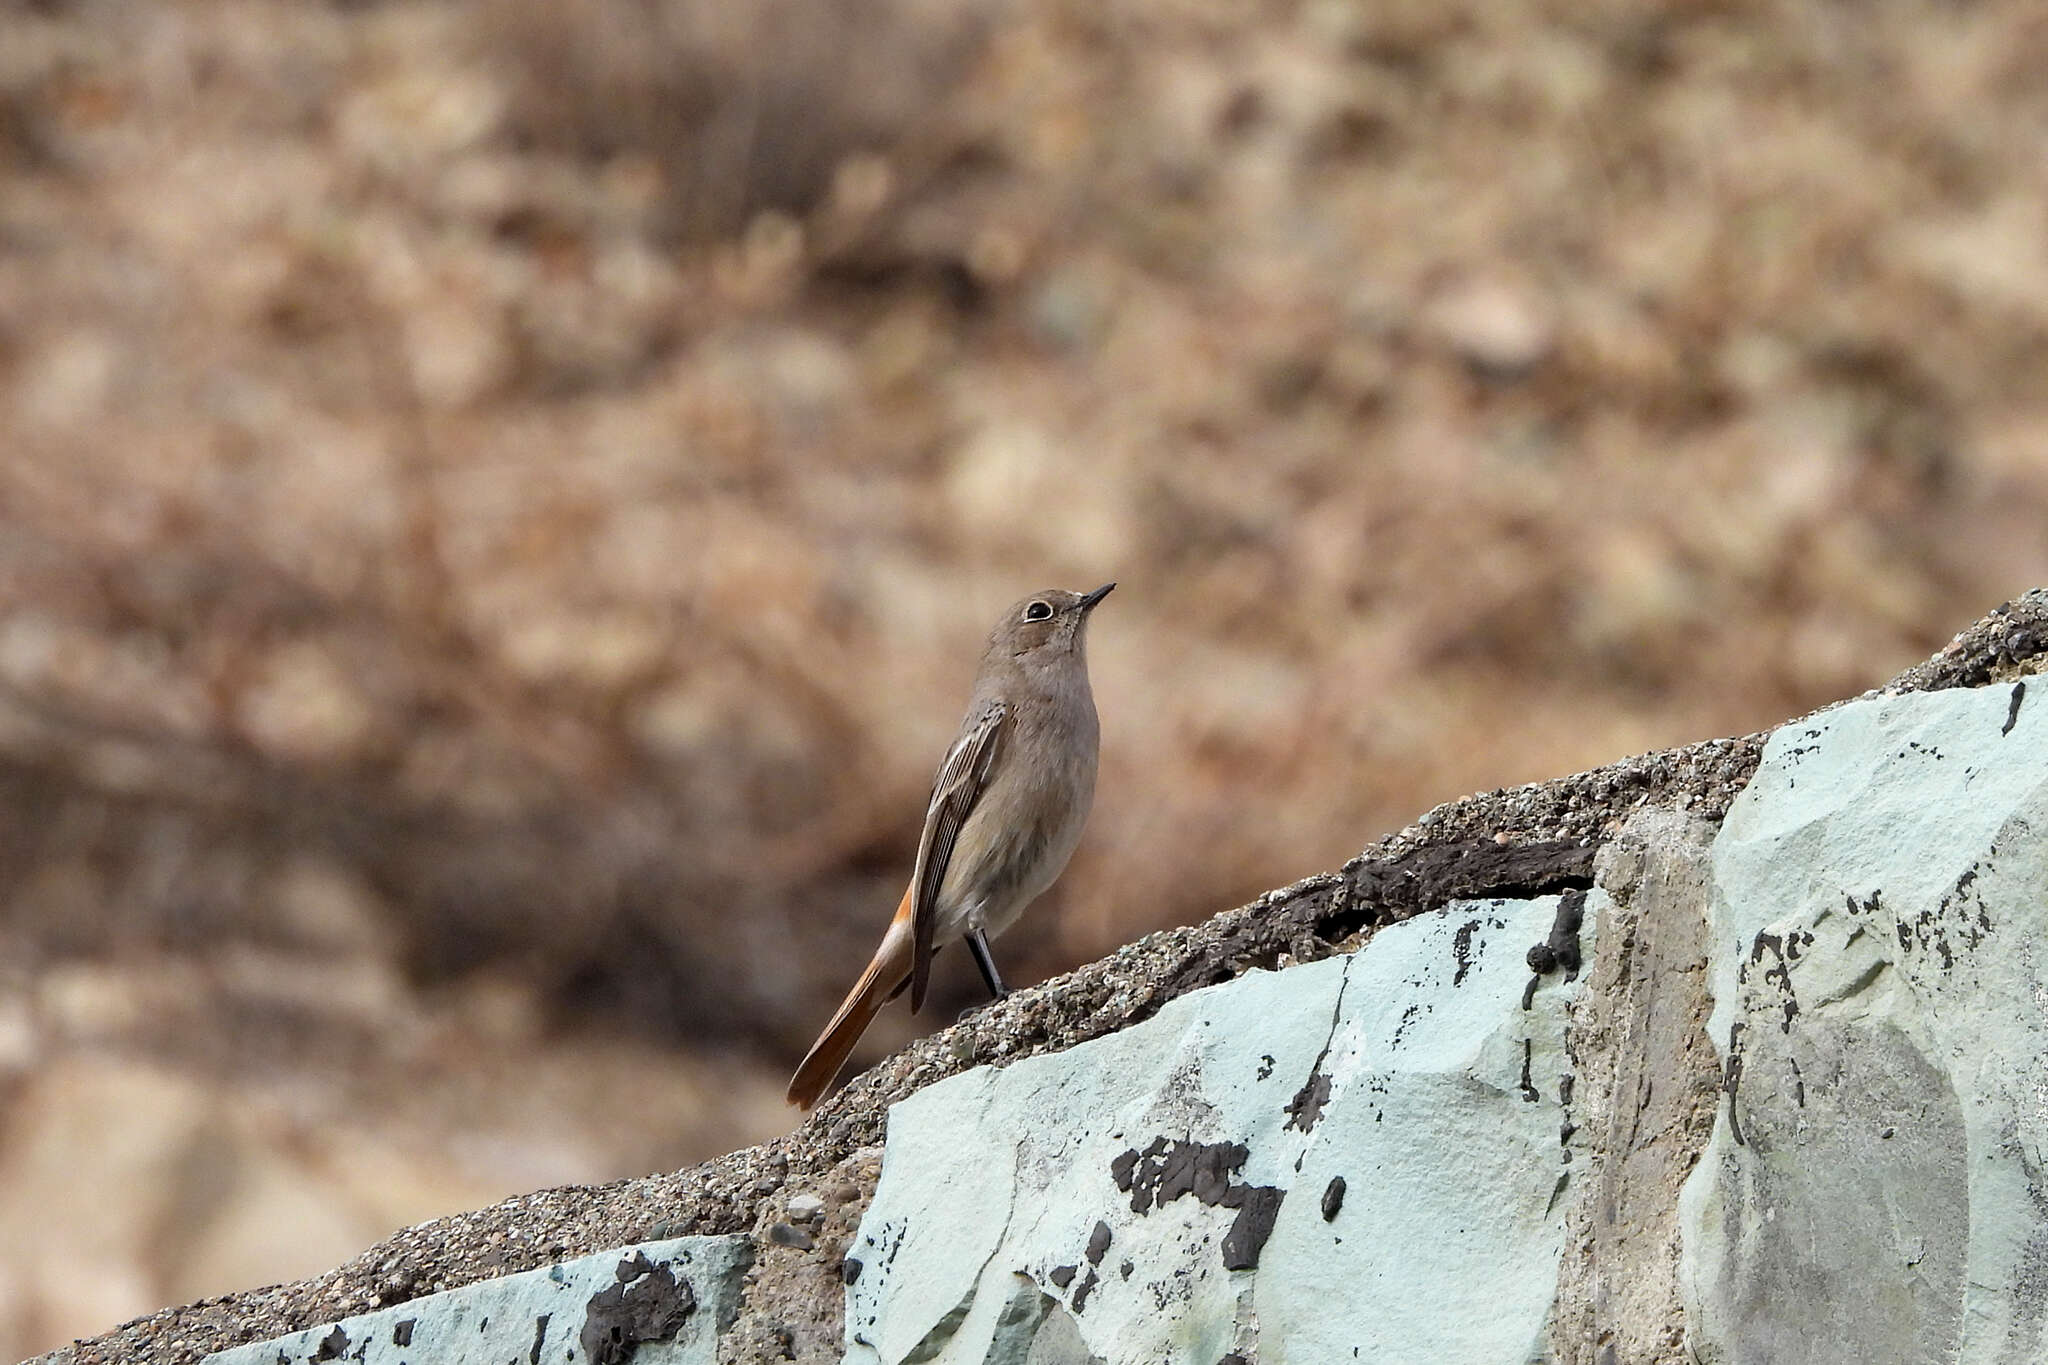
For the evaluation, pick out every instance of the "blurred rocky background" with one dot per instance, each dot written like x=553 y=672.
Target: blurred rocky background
x=499 y=503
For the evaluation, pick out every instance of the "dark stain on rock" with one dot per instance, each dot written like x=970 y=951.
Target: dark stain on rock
x=1528 y=1087
x=333 y=1346
x=1408 y=1016
x=1083 y=1290
x=1169 y=1169
x=1775 y=954
x=540 y=1336
x=1306 y=1108
x=1258 y=1207
x=2012 y=708
x=1098 y=1243
x=1958 y=924
x=1939 y=940
x=1731 y=1079
x=401 y=1332
x=1461 y=950
x=1566 y=1085
x=1785 y=950
x=647 y=1304
x=1333 y=1198
x=1233 y=1359
x=1561 y=947
x=849 y=1270
x=1799 y=751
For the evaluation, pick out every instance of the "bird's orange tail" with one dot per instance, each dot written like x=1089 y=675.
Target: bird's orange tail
x=883 y=978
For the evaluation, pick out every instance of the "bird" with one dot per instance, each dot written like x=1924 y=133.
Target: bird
x=1005 y=813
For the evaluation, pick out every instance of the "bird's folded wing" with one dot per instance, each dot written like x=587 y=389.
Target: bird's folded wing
x=961 y=780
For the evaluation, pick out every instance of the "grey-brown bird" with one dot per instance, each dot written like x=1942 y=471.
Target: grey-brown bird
x=1005 y=813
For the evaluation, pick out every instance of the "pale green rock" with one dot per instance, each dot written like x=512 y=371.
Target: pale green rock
x=1873 y=1188
x=538 y=1317
x=1004 y=1226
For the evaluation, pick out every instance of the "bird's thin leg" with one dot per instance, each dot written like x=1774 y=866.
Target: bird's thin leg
x=978 y=945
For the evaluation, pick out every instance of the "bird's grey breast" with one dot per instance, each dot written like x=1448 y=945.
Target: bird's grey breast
x=1046 y=798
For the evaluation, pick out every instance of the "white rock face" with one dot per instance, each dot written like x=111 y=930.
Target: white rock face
x=1873 y=1189
x=1368 y=1154
x=659 y=1303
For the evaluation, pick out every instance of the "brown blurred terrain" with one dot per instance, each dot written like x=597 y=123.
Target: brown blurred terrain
x=500 y=502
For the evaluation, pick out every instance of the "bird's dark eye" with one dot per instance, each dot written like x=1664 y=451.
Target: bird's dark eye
x=1038 y=611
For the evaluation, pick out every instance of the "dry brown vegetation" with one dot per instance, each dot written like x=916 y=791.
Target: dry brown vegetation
x=500 y=501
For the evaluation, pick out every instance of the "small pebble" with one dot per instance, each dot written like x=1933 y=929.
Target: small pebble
x=783 y=1235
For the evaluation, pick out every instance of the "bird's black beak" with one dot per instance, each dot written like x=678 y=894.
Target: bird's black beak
x=1088 y=602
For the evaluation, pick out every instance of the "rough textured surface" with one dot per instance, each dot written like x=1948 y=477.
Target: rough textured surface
x=1419 y=868
x=2007 y=644
x=661 y=1303
x=793 y=1288
x=1128 y=1183
x=1874 y=1187
x=1648 y=1080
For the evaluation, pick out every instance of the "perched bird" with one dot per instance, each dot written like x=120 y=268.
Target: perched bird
x=1006 y=811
